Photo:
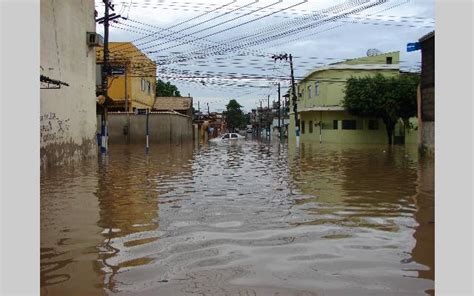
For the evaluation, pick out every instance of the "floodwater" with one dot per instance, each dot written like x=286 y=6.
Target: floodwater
x=248 y=218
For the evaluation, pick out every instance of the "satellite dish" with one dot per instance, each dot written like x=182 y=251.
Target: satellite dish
x=373 y=52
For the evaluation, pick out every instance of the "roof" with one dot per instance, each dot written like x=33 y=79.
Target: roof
x=173 y=103
x=353 y=67
x=427 y=36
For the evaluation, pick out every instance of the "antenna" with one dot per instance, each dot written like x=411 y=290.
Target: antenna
x=373 y=52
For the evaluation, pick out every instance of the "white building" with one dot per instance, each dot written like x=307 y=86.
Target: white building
x=68 y=112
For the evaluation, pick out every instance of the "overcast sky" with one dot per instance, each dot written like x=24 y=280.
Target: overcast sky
x=194 y=29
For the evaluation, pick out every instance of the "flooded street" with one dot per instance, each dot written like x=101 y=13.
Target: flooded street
x=247 y=218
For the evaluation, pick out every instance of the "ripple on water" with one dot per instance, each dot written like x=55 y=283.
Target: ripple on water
x=244 y=219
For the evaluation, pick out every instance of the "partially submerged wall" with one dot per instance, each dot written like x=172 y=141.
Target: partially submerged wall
x=67 y=118
x=163 y=127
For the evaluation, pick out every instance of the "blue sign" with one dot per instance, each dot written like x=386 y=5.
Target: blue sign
x=413 y=46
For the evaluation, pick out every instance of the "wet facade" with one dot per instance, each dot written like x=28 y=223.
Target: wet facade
x=248 y=218
x=67 y=111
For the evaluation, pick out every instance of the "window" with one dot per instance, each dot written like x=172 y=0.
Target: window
x=234 y=136
x=309 y=91
x=302 y=94
x=149 y=86
x=388 y=60
x=143 y=84
x=226 y=136
x=329 y=125
x=316 y=88
x=373 y=124
x=302 y=126
x=349 y=124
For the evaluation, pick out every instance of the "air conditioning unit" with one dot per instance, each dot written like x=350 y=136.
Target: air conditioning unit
x=94 y=39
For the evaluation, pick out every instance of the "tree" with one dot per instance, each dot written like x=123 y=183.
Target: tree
x=388 y=98
x=234 y=116
x=166 y=89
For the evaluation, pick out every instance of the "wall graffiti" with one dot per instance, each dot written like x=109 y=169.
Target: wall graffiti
x=53 y=129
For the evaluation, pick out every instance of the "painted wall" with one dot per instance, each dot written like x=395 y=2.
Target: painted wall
x=361 y=135
x=138 y=67
x=332 y=83
x=67 y=118
x=163 y=127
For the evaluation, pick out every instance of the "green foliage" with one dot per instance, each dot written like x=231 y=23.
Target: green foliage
x=388 y=98
x=234 y=115
x=166 y=89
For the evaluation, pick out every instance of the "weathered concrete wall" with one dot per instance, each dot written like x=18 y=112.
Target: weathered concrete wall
x=426 y=95
x=163 y=128
x=428 y=137
x=67 y=118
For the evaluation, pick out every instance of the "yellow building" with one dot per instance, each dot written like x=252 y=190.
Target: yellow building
x=132 y=80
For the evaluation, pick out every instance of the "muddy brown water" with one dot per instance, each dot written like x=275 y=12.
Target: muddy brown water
x=250 y=218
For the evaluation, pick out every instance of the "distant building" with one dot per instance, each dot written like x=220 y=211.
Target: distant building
x=426 y=95
x=183 y=105
x=68 y=94
x=320 y=104
x=132 y=81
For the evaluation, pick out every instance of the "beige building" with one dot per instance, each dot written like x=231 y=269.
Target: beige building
x=132 y=83
x=68 y=110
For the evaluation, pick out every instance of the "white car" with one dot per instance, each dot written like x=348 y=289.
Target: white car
x=228 y=137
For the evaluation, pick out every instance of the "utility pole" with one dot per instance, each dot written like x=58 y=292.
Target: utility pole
x=208 y=112
x=105 y=73
x=294 y=96
x=260 y=124
x=199 y=108
x=279 y=111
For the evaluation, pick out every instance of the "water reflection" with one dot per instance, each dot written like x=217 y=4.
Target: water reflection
x=248 y=218
x=423 y=252
x=374 y=188
x=130 y=185
x=69 y=233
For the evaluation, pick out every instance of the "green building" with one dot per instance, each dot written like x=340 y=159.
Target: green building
x=320 y=109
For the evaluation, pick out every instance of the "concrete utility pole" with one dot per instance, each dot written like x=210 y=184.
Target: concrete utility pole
x=279 y=112
x=269 y=116
x=294 y=96
x=105 y=73
x=260 y=122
